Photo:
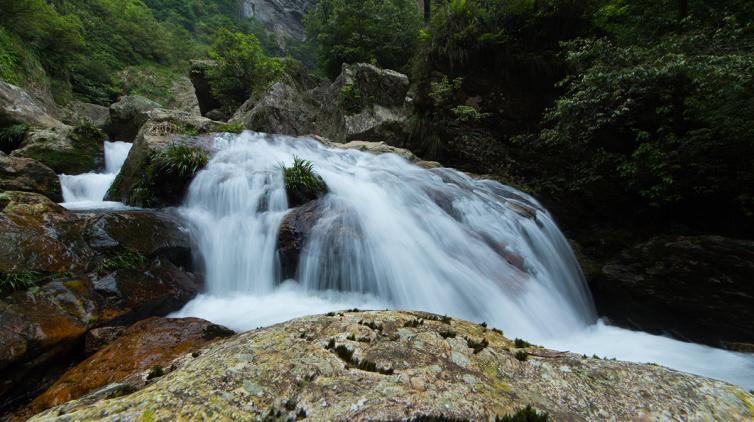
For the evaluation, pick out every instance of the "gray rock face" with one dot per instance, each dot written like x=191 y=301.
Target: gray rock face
x=283 y=17
x=17 y=106
x=94 y=114
x=391 y=366
x=128 y=115
x=281 y=109
x=27 y=175
x=697 y=288
x=365 y=103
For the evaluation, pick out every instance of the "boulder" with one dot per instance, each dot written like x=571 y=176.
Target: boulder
x=77 y=271
x=372 y=85
x=18 y=107
x=68 y=150
x=696 y=288
x=376 y=148
x=390 y=365
x=79 y=113
x=206 y=101
x=372 y=103
x=293 y=234
x=128 y=115
x=140 y=353
x=378 y=123
x=281 y=109
x=27 y=175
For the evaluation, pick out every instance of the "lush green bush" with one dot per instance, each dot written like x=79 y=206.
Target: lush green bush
x=383 y=32
x=667 y=123
x=242 y=68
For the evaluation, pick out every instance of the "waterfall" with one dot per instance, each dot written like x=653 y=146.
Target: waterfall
x=87 y=191
x=393 y=235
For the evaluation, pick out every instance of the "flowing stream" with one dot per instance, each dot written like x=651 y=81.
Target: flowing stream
x=88 y=190
x=393 y=235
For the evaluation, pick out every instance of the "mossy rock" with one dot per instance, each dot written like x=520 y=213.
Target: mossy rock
x=66 y=150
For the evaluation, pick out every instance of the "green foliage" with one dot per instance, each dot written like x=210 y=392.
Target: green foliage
x=467 y=114
x=522 y=355
x=180 y=160
x=130 y=259
x=383 y=32
x=667 y=122
x=230 y=128
x=351 y=98
x=527 y=414
x=242 y=68
x=11 y=137
x=301 y=176
x=10 y=282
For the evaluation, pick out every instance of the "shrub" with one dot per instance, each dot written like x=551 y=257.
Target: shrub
x=351 y=98
x=467 y=114
x=522 y=355
x=180 y=160
x=520 y=344
x=11 y=137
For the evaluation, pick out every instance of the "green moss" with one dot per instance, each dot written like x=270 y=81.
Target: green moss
x=129 y=260
x=351 y=99
x=527 y=414
x=11 y=137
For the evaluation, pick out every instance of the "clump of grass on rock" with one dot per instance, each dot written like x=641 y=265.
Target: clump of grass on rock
x=302 y=184
x=181 y=160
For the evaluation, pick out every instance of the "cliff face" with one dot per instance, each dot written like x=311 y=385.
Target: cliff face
x=404 y=366
x=283 y=17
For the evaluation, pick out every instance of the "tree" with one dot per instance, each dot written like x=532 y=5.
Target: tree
x=383 y=32
x=242 y=67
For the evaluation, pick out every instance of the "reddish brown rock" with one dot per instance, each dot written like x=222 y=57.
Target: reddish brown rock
x=98 y=338
x=148 y=344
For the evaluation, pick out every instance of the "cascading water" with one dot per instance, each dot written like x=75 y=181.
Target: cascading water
x=393 y=235
x=87 y=191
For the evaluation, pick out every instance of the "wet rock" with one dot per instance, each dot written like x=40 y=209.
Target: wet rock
x=293 y=235
x=128 y=115
x=27 y=175
x=18 y=107
x=97 y=338
x=316 y=367
x=68 y=150
x=383 y=87
x=200 y=80
x=281 y=109
x=84 y=271
x=696 y=288
x=151 y=343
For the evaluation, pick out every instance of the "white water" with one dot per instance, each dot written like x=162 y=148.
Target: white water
x=87 y=191
x=393 y=235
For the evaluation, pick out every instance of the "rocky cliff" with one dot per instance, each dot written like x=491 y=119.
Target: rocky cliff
x=283 y=17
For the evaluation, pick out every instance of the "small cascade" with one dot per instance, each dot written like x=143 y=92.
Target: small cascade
x=88 y=190
x=392 y=235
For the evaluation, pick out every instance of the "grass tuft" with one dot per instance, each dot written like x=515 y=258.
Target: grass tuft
x=131 y=259
x=18 y=280
x=301 y=176
x=11 y=137
x=181 y=160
